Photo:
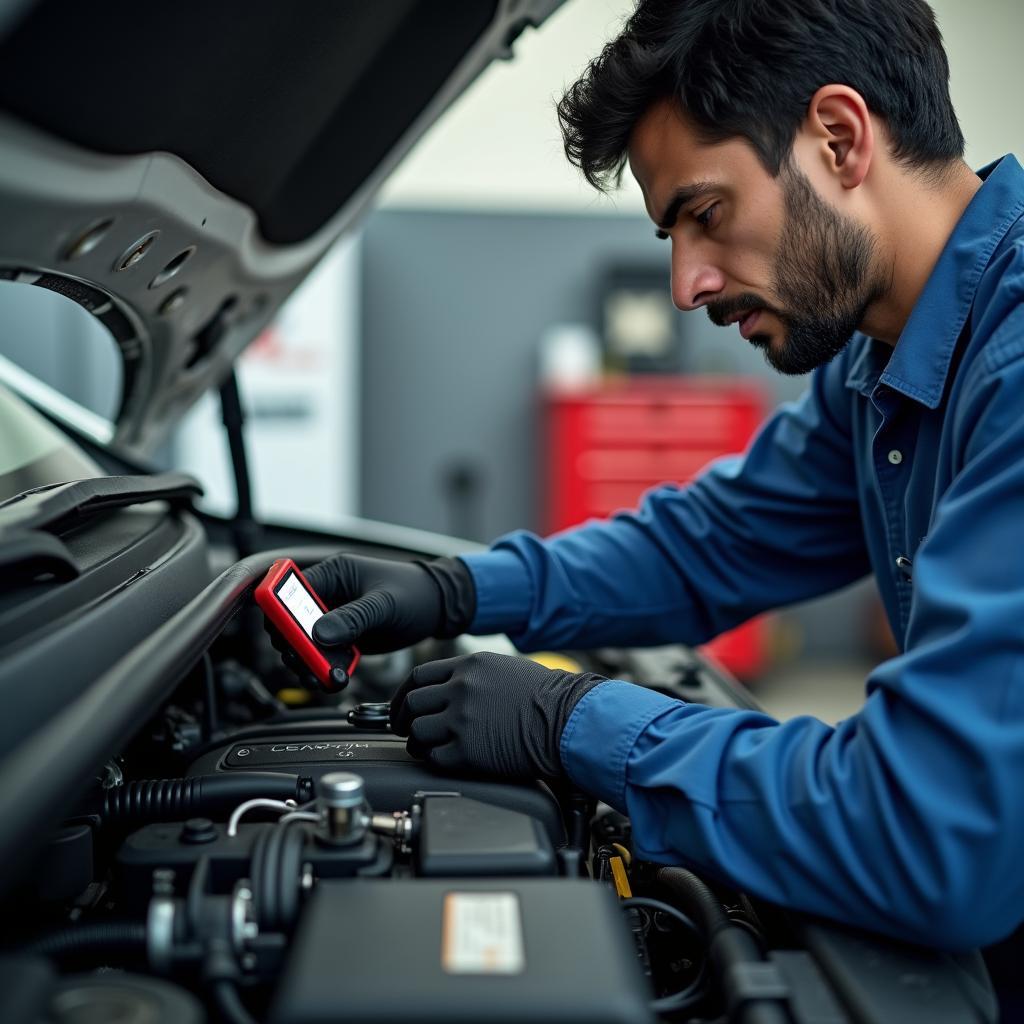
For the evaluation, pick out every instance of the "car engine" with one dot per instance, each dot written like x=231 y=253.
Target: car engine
x=193 y=837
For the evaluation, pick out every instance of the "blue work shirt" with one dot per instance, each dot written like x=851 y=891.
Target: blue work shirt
x=907 y=817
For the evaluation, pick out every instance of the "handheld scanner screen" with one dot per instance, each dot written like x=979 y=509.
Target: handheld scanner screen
x=292 y=605
x=300 y=602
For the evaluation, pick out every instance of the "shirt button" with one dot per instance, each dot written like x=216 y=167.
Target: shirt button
x=895 y=456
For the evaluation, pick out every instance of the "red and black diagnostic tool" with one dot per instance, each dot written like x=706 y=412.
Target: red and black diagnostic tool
x=293 y=607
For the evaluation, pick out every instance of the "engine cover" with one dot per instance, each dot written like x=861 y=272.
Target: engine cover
x=504 y=950
x=392 y=777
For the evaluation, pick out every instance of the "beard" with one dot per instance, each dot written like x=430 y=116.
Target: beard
x=825 y=279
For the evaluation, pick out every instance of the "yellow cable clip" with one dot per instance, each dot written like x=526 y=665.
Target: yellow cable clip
x=620 y=878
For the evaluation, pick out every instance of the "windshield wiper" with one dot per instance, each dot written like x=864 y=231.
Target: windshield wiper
x=54 y=507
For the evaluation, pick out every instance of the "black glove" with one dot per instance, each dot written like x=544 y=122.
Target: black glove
x=488 y=713
x=380 y=605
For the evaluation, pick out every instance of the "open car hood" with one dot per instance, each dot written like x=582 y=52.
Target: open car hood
x=178 y=169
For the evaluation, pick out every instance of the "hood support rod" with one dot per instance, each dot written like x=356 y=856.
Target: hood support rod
x=244 y=527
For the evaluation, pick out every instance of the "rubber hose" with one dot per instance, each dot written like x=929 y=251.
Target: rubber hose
x=258 y=874
x=229 y=1003
x=696 y=898
x=728 y=944
x=172 y=799
x=267 y=914
x=105 y=936
x=290 y=873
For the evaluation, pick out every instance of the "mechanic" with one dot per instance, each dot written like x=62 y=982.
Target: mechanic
x=803 y=159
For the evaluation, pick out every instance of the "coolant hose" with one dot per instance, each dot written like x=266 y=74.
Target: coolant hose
x=697 y=899
x=231 y=1007
x=729 y=946
x=209 y=795
x=95 y=936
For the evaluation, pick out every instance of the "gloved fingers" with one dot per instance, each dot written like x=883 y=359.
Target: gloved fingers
x=333 y=579
x=427 y=732
x=302 y=673
x=428 y=700
x=344 y=625
x=409 y=704
x=277 y=641
x=430 y=673
x=288 y=656
x=449 y=757
x=404 y=707
x=295 y=664
x=317 y=576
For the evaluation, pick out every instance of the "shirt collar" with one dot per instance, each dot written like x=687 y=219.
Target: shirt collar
x=919 y=364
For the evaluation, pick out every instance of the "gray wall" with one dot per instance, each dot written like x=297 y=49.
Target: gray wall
x=454 y=305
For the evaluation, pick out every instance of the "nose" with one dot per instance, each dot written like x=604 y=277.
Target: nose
x=695 y=281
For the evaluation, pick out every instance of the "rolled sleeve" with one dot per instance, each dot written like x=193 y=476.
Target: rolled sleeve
x=504 y=594
x=601 y=732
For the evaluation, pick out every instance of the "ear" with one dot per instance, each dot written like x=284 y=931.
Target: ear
x=839 y=119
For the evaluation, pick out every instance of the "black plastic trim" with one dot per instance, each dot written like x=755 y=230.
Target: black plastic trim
x=30 y=553
x=55 y=506
x=107 y=556
x=880 y=979
x=62 y=755
x=72 y=643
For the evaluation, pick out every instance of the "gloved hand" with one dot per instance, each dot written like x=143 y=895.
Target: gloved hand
x=488 y=713
x=380 y=605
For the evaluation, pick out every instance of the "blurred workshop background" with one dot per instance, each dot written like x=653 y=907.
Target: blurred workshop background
x=496 y=348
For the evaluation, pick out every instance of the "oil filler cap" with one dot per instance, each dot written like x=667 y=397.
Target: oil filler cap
x=198 y=830
x=374 y=717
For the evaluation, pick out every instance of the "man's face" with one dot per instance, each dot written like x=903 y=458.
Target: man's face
x=767 y=253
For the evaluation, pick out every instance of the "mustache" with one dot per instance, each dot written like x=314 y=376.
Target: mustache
x=720 y=310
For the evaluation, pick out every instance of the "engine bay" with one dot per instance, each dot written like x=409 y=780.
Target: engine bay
x=266 y=857
x=195 y=837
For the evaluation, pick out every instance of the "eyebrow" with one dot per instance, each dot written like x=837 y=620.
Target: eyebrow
x=680 y=198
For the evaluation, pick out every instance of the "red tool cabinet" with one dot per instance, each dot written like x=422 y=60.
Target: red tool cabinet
x=608 y=445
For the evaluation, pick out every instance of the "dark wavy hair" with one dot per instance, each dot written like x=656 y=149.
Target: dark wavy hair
x=748 y=68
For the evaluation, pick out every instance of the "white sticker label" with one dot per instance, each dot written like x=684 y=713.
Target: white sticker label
x=481 y=933
x=297 y=599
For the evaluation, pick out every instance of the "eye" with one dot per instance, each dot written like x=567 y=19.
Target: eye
x=706 y=216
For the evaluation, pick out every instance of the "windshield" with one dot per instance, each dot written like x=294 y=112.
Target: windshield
x=59 y=356
x=33 y=452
